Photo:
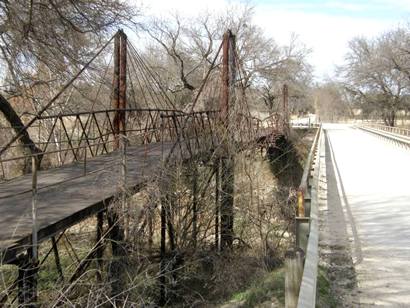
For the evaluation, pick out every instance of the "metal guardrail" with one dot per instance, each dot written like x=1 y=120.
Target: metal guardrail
x=389 y=129
x=307 y=292
x=395 y=133
x=301 y=273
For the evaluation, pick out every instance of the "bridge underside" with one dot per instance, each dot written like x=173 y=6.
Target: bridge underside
x=66 y=197
x=70 y=194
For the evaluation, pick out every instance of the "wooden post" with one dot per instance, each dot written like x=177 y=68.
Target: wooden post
x=293 y=276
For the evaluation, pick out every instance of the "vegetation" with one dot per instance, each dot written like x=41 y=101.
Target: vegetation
x=44 y=43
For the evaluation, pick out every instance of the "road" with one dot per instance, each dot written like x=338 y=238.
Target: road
x=369 y=213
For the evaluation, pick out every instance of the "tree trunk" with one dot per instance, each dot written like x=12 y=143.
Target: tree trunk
x=18 y=126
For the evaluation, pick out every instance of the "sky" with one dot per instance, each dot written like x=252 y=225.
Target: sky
x=325 y=27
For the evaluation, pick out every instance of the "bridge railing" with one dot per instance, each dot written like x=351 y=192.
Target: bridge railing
x=193 y=132
x=75 y=137
x=389 y=129
x=302 y=263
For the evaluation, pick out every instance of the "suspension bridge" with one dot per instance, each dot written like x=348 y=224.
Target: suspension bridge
x=112 y=129
x=109 y=131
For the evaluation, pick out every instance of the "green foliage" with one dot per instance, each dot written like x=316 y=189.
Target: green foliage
x=324 y=293
x=270 y=287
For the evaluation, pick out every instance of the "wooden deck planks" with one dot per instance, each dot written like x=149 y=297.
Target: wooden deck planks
x=66 y=196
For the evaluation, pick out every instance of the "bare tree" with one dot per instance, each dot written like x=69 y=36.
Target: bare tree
x=376 y=72
x=191 y=43
x=330 y=101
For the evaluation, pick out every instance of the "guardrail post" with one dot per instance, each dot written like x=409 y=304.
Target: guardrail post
x=302 y=220
x=293 y=276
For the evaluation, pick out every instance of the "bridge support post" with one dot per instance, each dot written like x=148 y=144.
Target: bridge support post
x=118 y=263
x=168 y=260
x=194 y=204
x=227 y=160
x=100 y=247
x=217 y=205
x=27 y=281
x=227 y=191
x=285 y=119
x=28 y=264
x=162 y=278
x=119 y=99
x=115 y=214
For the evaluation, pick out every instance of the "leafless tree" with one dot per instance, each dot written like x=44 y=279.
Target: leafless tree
x=42 y=42
x=376 y=72
x=191 y=44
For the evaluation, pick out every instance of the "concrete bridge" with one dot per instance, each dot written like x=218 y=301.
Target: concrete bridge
x=359 y=224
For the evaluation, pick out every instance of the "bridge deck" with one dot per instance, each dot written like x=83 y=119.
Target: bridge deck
x=368 y=207
x=66 y=196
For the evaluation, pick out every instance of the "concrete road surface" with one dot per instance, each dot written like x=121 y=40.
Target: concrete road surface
x=372 y=186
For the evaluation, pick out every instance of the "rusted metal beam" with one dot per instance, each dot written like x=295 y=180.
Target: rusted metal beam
x=27 y=281
x=122 y=95
x=224 y=103
x=285 y=115
x=162 y=278
x=227 y=161
x=100 y=246
x=116 y=88
x=217 y=204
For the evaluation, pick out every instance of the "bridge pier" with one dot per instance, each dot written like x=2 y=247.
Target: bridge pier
x=195 y=175
x=100 y=247
x=166 y=205
x=27 y=281
x=227 y=162
x=226 y=206
x=217 y=204
x=118 y=263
